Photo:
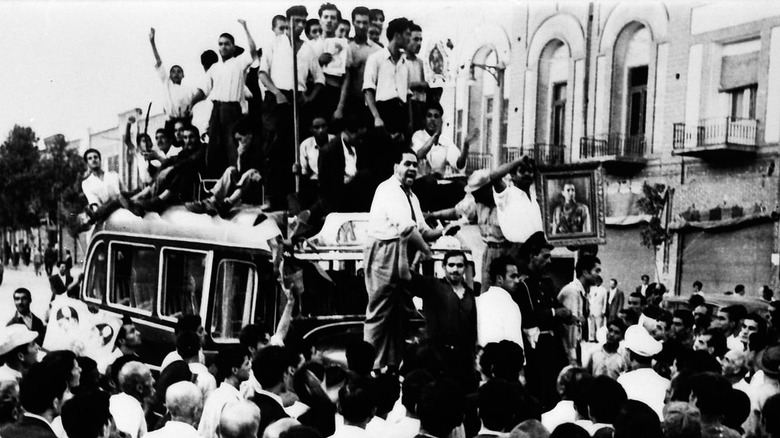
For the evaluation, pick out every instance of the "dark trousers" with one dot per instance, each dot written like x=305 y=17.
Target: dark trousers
x=434 y=196
x=222 y=151
x=395 y=114
x=542 y=367
x=278 y=149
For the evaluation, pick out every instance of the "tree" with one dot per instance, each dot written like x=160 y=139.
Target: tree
x=19 y=183
x=652 y=203
x=62 y=167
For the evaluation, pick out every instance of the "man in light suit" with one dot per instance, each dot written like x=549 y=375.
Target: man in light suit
x=574 y=297
x=616 y=300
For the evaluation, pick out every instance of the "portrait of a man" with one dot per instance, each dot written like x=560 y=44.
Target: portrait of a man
x=570 y=216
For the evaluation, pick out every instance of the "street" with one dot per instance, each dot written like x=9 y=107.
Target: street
x=25 y=277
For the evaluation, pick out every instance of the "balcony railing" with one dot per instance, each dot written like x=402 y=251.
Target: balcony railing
x=721 y=131
x=479 y=160
x=545 y=154
x=613 y=145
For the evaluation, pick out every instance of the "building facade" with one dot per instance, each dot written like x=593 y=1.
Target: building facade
x=677 y=94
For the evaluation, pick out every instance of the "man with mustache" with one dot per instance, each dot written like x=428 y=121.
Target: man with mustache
x=397 y=232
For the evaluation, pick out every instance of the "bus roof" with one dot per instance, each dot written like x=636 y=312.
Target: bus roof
x=179 y=224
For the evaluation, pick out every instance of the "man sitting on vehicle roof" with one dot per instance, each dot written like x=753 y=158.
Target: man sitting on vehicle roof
x=176 y=177
x=103 y=189
x=239 y=183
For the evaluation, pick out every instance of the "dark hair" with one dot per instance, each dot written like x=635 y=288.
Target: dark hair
x=387 y=389
x=356 y=401
x=187 y=344
x=739 y=288
x=176 y=371
x=301 y=384
x=160 y=131
x=617 y=322
x=497 y=404
x=345 y=21
x=297 y=11
x=770 y=413
x=586 y=263
x=301 y=431
x=605 y=397
x=61 y=364
x=697 y=362
x=228 y=359
x=374 y=14
x=717 y=342
x=508 y=362
x=276 y=19
x=243 y=126
x=434 y=105
x=360 y=10
x=758 y=319
x=644 y=276
x=90 y=151
x=498 y=266
x=695 y=301
x=187 y=323
x=736 y=410
x=24 y=291
x=122 y=334
x=192 y=129
x=735 y=312
x=398 y=25
x=711 y=391
x=270 y=364
x=40 y=387
x=229 y=37
x=569 y=430
x=208 y=58
x=453 y=253
x=686 y=316
x=309 y=24
x=85 y=415
x=360 y=357
x=252 y=334
x=412 y=387
x=90 y=376
x=441 y=407
x=414 y=27
x=571 y=379
x=399 y=155
x=354 y=122
x=329 y=7
x=637 y=420
x=698 y=284
x=335 y=375
x=639 y=295
x=665 y=317
x=631 y=316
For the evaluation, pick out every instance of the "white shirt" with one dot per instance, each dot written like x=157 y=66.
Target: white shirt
x=563 y=412
x=175 y=429
x=407 y=428
x=390 y=213
x=518 y=215
x=310 y=154
x=498 y=317
x=647 y=386
x=389 y=80
x=734 y=343
x=99 y=191
x=128 y=415
x=350 y=162
x=441 y=154
x=8 y=373
x=340 y=51
x=205 y=381
x=597 y=298
x=212 y=409
x=178 y=98
x=227 y=78
x=277 y=63
x=174 y=355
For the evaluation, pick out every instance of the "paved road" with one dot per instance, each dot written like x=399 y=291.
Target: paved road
x=25 y=277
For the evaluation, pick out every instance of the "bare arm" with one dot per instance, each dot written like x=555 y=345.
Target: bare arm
x=426 y=147
x=249 y=39
x=126 y=136
x=269 y=85
x=464 y=152
x=157 y=60
x=284 y=321
x=371 y=102
x=498 y=174
x=446 y=214
x=343 y=97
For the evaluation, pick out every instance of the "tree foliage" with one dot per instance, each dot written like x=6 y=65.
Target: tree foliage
x=652 y=203
x=35 y=182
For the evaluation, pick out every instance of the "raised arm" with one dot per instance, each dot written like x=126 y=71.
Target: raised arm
x=126 y=139
x=249 y=39
x=426 y=147
x=498 y=174
x=464 y=151
x=157 y=60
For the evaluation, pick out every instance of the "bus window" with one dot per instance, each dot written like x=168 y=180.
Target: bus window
x=183 y=274
x=96 y=278
x=236 y=286
x=135 y=276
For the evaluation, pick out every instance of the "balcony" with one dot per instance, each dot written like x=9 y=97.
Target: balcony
x=614 y=149
x=543 y=154
x=479 y=160
x=721 y=137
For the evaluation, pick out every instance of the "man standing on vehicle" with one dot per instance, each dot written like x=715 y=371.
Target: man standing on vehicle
x=397 y=244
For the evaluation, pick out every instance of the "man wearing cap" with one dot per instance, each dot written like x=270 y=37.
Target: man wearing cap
x=23 y=315
x=543 y=319
x=766 y=382
x=574 y=296
x=642 y=383
x=18 y=351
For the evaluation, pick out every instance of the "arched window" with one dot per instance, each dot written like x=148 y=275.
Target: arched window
x=629 y=82
x=552 y=94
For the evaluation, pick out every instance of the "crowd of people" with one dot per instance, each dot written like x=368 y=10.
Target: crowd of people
x=511 y=356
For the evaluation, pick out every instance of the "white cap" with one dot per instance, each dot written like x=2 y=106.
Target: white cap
x=14 y=336
x=640 y=342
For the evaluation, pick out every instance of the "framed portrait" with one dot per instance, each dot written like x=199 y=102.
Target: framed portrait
x=572 y=203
